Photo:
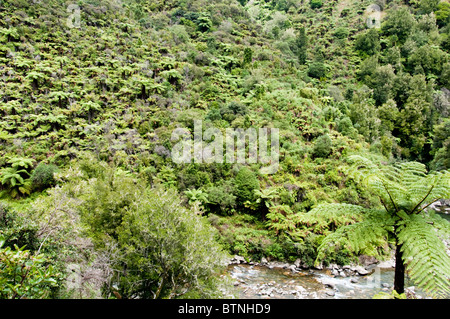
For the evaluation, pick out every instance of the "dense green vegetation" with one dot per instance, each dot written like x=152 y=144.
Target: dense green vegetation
x=88 y=105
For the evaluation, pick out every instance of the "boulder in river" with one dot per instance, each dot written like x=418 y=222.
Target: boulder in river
x=360 y=270
x=365 y=260
x=237 y=260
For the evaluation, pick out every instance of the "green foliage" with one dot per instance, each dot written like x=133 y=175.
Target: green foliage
x=315 y=4
x=221 y=197
x=425 y=255
x=392 y=295
x=196 y=195
x=368 y=42
x=443 y=13
x=317 y=70
x=248 y=56
x=322 y=146
x=399 y=23
x=301 y=45
x=15 y=181
x=168 y=252
x=404 y=190
x=245 y=183
x=43 y=176
x=17 y=230
x=311 y=70
x=23 y=275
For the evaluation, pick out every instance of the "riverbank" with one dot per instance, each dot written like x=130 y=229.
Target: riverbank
x=280 y=280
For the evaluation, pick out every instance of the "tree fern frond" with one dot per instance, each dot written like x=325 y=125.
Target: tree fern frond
x=327 y=217
x=359 y=238
x=425 y=257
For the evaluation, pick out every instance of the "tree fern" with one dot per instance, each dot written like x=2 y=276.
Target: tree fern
x=363 y=237
x=327 y=217
x=405 y=190
x=424 y=253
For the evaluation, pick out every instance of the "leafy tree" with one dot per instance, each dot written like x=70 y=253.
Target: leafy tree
x=322 y=146
x=382 y=83
x=443 y=13
x=428 y=6
x=24 y=275
x=399 y=23
x=301 y=45
x=414 y=118
x=168 y=251
x=317 y=70
x=316 y=4
x=441 y=146
x=222 y=197
x=404 y=191
x=43 y=176
x=204 y=22
x=368 y=42
x=17 y=229
x=245 y=183
x=248 y=56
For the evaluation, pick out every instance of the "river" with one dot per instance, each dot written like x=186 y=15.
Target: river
x=261 y=282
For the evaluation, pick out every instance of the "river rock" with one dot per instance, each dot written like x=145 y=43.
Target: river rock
x=277 y=264
x=330 y=293
x=365 y=260
x=354 y=280
x=318 y=267
x=333 y=266
x=361 y=270
x=237 y=260
x=292 y=268
x=328 y=283
x=264 y=261
x=387 y=264
x=298 y=263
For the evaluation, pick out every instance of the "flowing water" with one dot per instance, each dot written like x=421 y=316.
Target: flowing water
x=260 y=282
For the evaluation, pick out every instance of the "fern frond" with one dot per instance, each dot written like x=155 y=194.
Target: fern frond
x=360 y=238
x=364 y=232
x=327 y=217
x=426 y=260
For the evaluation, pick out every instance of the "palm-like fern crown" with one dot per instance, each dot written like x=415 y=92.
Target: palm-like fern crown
x=405 y=190
x=401 y=187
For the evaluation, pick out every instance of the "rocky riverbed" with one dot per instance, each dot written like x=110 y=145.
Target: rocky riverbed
x=274 y=279
x=292 y=281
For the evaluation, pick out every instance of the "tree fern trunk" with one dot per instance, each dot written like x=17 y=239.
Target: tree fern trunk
x=399 y=277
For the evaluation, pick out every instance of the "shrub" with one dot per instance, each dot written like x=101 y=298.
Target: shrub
x=315 y=4
x=42 y=176
x=17 y=230
x=245 y=184
x=322 y=146
x=167 y=250
x=317 y=70
x=23 y=275
x=221 y=197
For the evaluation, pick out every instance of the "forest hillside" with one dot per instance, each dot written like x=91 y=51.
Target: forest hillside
x=91 y=93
